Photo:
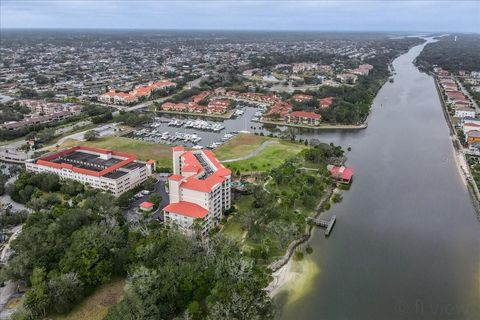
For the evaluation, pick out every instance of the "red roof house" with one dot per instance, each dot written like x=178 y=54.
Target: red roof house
x=303 y=117
x=343 y=174
x=146 y=206
x=325 y=102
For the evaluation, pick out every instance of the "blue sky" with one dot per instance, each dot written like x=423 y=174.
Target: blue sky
x=462 y=16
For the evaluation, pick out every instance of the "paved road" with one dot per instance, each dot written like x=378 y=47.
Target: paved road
x=6 y=252
x=9 y=289
x=131 y=211
x=6 y=198
x=259 y=149
x=13 y=146
x=103 y=131
x=5 y=294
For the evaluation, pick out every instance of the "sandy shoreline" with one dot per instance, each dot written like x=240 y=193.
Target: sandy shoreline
x=459 y=154
x=461 y=163
x=296 y=278
x=280 y=278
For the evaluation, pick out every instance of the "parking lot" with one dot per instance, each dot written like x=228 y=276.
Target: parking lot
x=131 y=211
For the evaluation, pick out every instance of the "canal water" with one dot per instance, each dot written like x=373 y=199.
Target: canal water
x=407 y=242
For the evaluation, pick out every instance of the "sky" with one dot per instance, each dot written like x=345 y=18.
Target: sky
x=346 y=15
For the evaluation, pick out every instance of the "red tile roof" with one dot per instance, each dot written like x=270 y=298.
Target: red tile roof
x=305 y=114
x=175 y=177
x=191 y=164
x=326 y=102
x=192 y=168
x=206 y=185
x=188 y=209
x=300 y=97
x=471 y=124
x=146 y=205
x=345 y=173
x=46 y=161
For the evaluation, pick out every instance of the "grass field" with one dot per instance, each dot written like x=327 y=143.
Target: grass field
x=95 y=307
x=239 y=146
x=143 y=149
x=272 y=156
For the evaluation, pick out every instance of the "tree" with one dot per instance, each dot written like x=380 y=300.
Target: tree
x=156 y=199
x=3 y=181
x=28 y=93
x=71 y=187
x=90 y=135
x=65 y=290
x=43 y=241
x=42 y=79
x=25 y=147
x=37 y=299
x=46 y=135
x=94 y=254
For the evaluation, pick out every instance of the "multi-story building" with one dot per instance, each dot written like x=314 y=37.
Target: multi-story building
x=134 y=95
x=117 y=97
x=39 y=119
x=103 y=169
x=464 y=112
x=303 y=117
x=200 y=188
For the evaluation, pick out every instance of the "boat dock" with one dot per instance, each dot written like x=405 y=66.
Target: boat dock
x=327 y=224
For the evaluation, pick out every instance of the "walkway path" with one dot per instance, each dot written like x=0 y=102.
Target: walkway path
x=5 y=254
x=5 y=198
x=259 y=149
x=9 y=288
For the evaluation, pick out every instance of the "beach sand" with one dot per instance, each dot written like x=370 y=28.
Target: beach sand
x=295 y=278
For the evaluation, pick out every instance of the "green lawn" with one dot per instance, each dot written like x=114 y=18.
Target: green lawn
x=233 y=229
x=95 y=307
x=271 y=157
x=143 y=149
x=239 y=146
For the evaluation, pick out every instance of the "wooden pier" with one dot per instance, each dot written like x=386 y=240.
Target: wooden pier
x=327 y=224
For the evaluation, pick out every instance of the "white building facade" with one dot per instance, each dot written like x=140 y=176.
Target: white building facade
x=200 y=188
x=464 y=112
x=107 y=170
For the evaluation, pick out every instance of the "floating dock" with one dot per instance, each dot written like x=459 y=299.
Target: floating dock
x=327 y=224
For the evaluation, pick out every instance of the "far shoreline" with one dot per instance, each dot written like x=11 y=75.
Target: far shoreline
x=363 y=125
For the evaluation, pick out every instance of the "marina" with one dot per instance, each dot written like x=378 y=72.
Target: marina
x=195 y=132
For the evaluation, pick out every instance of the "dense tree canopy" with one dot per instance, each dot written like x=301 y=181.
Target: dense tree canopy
x=452 y=53
x=65 y=252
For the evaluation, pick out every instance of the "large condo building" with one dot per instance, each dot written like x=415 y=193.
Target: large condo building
x=103 y=169
x=200 y=188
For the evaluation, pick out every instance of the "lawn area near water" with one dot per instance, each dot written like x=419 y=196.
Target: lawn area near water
x=272 y=156
x=143 y=149
x=239 y=146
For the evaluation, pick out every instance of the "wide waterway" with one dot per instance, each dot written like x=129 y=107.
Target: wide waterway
x=407 y=240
